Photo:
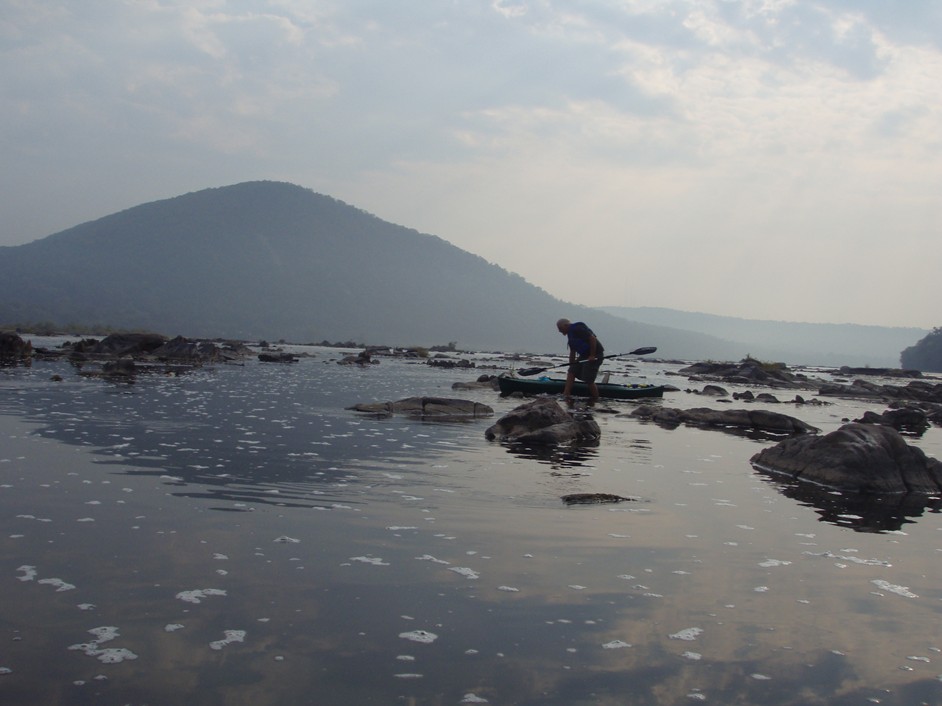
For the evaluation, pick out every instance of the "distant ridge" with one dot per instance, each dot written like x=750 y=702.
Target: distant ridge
x=273 y=260
x=823 y=344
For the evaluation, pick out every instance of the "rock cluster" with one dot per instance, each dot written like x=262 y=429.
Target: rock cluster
x=746 y=372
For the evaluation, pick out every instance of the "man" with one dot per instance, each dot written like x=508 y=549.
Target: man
x=585 y=356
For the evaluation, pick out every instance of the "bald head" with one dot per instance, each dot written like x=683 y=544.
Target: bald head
x=563 y=326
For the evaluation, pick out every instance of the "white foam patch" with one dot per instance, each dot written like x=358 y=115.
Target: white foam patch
x=688 y=634
x=58 y=583
x=108 y=655
x=768 y=563
x=197 y=595
x=473 y=699
x=372 y=560
x=616 y=645
x=429 y=557
x=229 y=636
x=469 y=574
x=29 y=573
x=423 y=636
x=898 y=590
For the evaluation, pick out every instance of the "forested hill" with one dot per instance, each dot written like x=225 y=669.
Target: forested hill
x=274 y=260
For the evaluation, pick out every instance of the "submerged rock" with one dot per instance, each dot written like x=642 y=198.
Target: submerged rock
x=861 y=458
x=426 y=408
x=543 y=422
x=594 y=499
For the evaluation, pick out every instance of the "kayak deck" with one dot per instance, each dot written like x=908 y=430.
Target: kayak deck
x=552 y=386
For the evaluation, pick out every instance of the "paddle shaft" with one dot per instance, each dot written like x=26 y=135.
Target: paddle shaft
x=638 y=351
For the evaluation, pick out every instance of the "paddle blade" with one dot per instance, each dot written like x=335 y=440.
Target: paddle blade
x=643 y=351
x=527 y=372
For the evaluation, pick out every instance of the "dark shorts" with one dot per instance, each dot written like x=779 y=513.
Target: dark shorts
x=587 y=372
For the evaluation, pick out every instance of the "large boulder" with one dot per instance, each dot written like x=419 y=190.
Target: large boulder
x=725 y=419
x=426 y=408
x=543 y=422
x=864 y=458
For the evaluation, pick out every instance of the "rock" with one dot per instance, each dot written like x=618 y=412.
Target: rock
x=594 y=499
x=859 y=458
x=914 y=391
x=714 y=391
x=119 y=345
x=448 y=363
x=484 y=382
x=123 y=367
x=543 y=422
x=441 y=408
x=903 y=419
x=183 y=350
x=362 y=358
x=767 y=397
x=739 y=419
x=14 y=350
x=277 y=357
x=879 y=372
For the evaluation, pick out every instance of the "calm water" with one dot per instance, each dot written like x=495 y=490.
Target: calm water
x=235 y=536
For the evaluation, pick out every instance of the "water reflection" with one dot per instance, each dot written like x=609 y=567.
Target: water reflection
x=557 y=457
x=857 y=511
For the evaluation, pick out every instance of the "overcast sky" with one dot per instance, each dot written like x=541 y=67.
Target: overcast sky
x=768 y=159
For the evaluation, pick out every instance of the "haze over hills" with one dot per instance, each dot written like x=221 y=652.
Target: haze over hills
x=794 y=342
x=274 y=260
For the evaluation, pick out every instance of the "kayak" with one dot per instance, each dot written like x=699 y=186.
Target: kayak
x=554 y=386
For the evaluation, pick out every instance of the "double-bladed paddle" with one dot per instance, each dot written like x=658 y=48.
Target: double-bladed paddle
x=526 y=372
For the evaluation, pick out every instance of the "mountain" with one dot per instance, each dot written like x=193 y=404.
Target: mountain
x=274 y=260
x=793 y=342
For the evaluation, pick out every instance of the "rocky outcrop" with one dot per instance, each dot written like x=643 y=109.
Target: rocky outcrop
x=725 y=420
x=543 y=422
x=859 y=458
x=746 y=372
x=14 y=350
x=121 y=345
x=431 y=408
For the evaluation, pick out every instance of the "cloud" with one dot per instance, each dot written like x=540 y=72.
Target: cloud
x=686 y=134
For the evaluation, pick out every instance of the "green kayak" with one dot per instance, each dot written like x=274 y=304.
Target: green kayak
x=554 y=386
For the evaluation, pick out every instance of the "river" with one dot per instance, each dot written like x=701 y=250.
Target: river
x=236 y=535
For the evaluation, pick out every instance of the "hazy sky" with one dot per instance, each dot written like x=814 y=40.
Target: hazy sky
x=768 y=159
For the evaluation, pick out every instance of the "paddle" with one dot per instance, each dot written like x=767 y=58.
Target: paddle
x=526 y=372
